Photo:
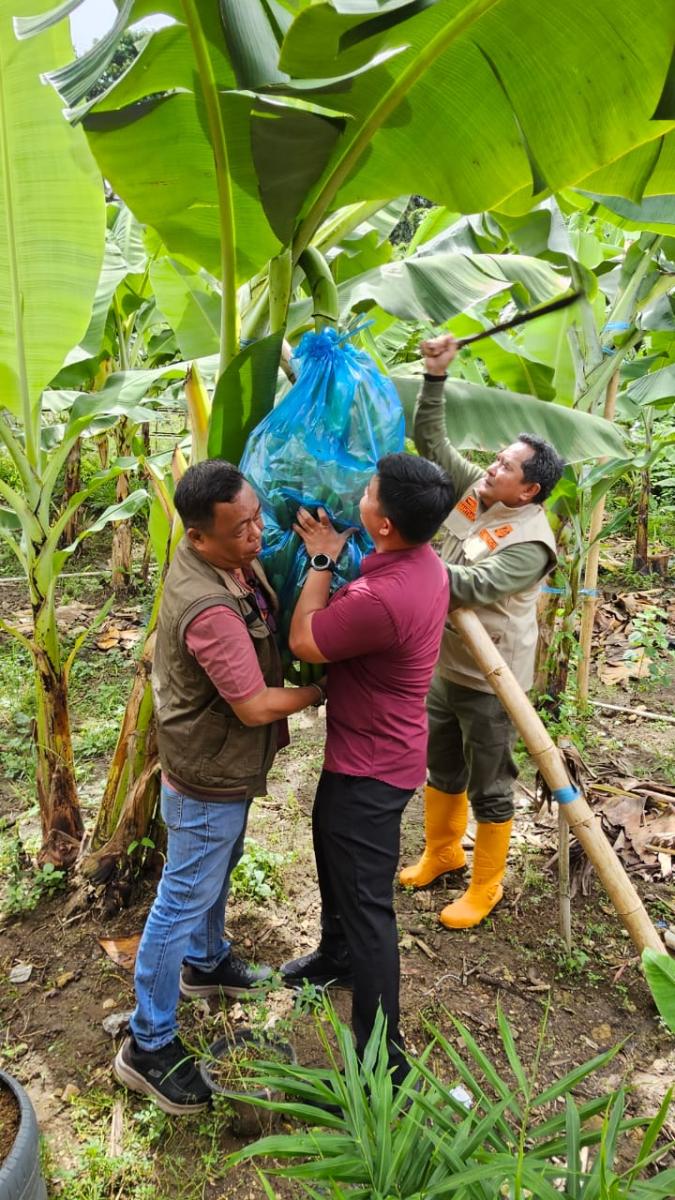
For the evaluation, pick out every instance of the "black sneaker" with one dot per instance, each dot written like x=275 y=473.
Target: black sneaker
x=317 y=968
x=232 y=977
x=170 y=1075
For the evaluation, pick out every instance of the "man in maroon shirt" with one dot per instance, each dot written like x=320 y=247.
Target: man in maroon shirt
x=380 y=637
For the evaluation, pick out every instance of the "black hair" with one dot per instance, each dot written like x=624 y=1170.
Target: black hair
x=415 y=495
x=545 y=466
x=203 y=485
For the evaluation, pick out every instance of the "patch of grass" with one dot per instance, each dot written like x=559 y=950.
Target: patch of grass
x=661 y=910
x=96 y=737
x=17 y=708
x=98 y=1173
x=533 y=878
x=667 y=762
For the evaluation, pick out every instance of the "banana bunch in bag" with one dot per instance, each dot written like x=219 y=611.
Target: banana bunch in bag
x=318 y=448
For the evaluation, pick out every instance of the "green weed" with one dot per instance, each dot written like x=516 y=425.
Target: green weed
x=258 y=876
x=24 y=884
x=98 y=1173
x=648 y=642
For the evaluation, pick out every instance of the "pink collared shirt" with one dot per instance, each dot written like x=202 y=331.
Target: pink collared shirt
x=381 y=635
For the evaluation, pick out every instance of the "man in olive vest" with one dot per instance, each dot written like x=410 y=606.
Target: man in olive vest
x=221 y=711
x=497 y=546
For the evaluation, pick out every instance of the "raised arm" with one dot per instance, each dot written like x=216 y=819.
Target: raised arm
x=430 y=431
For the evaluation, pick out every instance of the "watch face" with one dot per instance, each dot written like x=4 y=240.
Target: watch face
x=320 y=562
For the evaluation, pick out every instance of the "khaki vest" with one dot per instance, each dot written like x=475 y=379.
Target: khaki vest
x=203 y=746
x=471 y=534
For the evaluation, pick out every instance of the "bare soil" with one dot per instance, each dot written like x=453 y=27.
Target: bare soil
x=10 y=1119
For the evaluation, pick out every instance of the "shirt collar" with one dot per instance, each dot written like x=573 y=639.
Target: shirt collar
x=375 y=561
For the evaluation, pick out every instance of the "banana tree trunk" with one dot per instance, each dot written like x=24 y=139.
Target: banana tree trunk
x=135 y=817
x=547 y=608
x=130 y=751
x=641 y=555
x=129 y=808
x=103 y=450
x=563 y=644
x=122 y=532
x=70 y=487
x=129 y=805
x=60 y=815
x=589 y=603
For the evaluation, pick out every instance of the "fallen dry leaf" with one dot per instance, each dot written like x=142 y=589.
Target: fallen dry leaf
x=121 y=950
x=613 y=674
x=109 y=640
x=602 y=1033
x=64 y=978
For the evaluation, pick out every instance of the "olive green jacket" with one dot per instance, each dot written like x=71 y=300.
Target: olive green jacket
x=496 y=557
x=203 y=746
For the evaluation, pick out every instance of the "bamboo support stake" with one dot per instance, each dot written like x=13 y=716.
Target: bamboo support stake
x=578 y=814
x=592 y=562
x=564 y=878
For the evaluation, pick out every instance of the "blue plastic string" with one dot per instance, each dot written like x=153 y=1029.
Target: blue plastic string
x=565 y=795
x=350 y=333
x=622 y=326
x=564 y=591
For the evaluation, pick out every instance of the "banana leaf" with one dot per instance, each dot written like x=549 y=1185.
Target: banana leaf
x=482 y=418
x=52 y=222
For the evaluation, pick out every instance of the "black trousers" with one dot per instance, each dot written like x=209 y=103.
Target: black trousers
x=356 y=825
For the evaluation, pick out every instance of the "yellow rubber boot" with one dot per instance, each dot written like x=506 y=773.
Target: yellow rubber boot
x=485 y=889
x=446 y=815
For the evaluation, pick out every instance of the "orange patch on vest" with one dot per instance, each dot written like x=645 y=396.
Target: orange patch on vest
x=468 y=507
x=503 y=531
x=488 y=539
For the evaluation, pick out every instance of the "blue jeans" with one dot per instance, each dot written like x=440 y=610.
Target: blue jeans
x=187 y=920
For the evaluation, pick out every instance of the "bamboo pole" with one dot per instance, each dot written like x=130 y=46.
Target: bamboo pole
x=578 y=814
x=589 y=602
x=564 y=878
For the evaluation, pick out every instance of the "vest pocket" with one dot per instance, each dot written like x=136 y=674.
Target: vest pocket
x=230 y=751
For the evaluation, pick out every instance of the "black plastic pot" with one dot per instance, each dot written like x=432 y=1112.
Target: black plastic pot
x=20 y=1173
x=248 y=1120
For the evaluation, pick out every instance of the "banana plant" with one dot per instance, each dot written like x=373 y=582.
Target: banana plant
x=460 y=273
x=51 y=246
x=240 y=131
x=128 y=809
x=646 y=403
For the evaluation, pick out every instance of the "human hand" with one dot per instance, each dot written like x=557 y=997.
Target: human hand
x=438 y=353
x=319 y=535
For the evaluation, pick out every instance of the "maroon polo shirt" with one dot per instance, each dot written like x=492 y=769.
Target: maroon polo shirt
x=381 y=636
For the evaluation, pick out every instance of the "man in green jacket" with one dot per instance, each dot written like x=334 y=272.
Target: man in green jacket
x=498 y=546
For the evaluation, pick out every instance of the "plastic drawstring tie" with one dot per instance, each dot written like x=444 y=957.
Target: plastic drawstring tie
x=565 y=795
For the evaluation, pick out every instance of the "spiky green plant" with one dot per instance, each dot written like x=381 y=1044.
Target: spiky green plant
x=464 y=1131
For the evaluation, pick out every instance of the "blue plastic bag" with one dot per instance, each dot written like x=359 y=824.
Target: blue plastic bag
x=319 y=447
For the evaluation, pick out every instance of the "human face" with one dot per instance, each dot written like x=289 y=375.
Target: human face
x=372 y=517
x=503 y=480
x=235 y=535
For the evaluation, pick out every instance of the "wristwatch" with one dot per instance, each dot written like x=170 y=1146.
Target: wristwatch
x=322 y=562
